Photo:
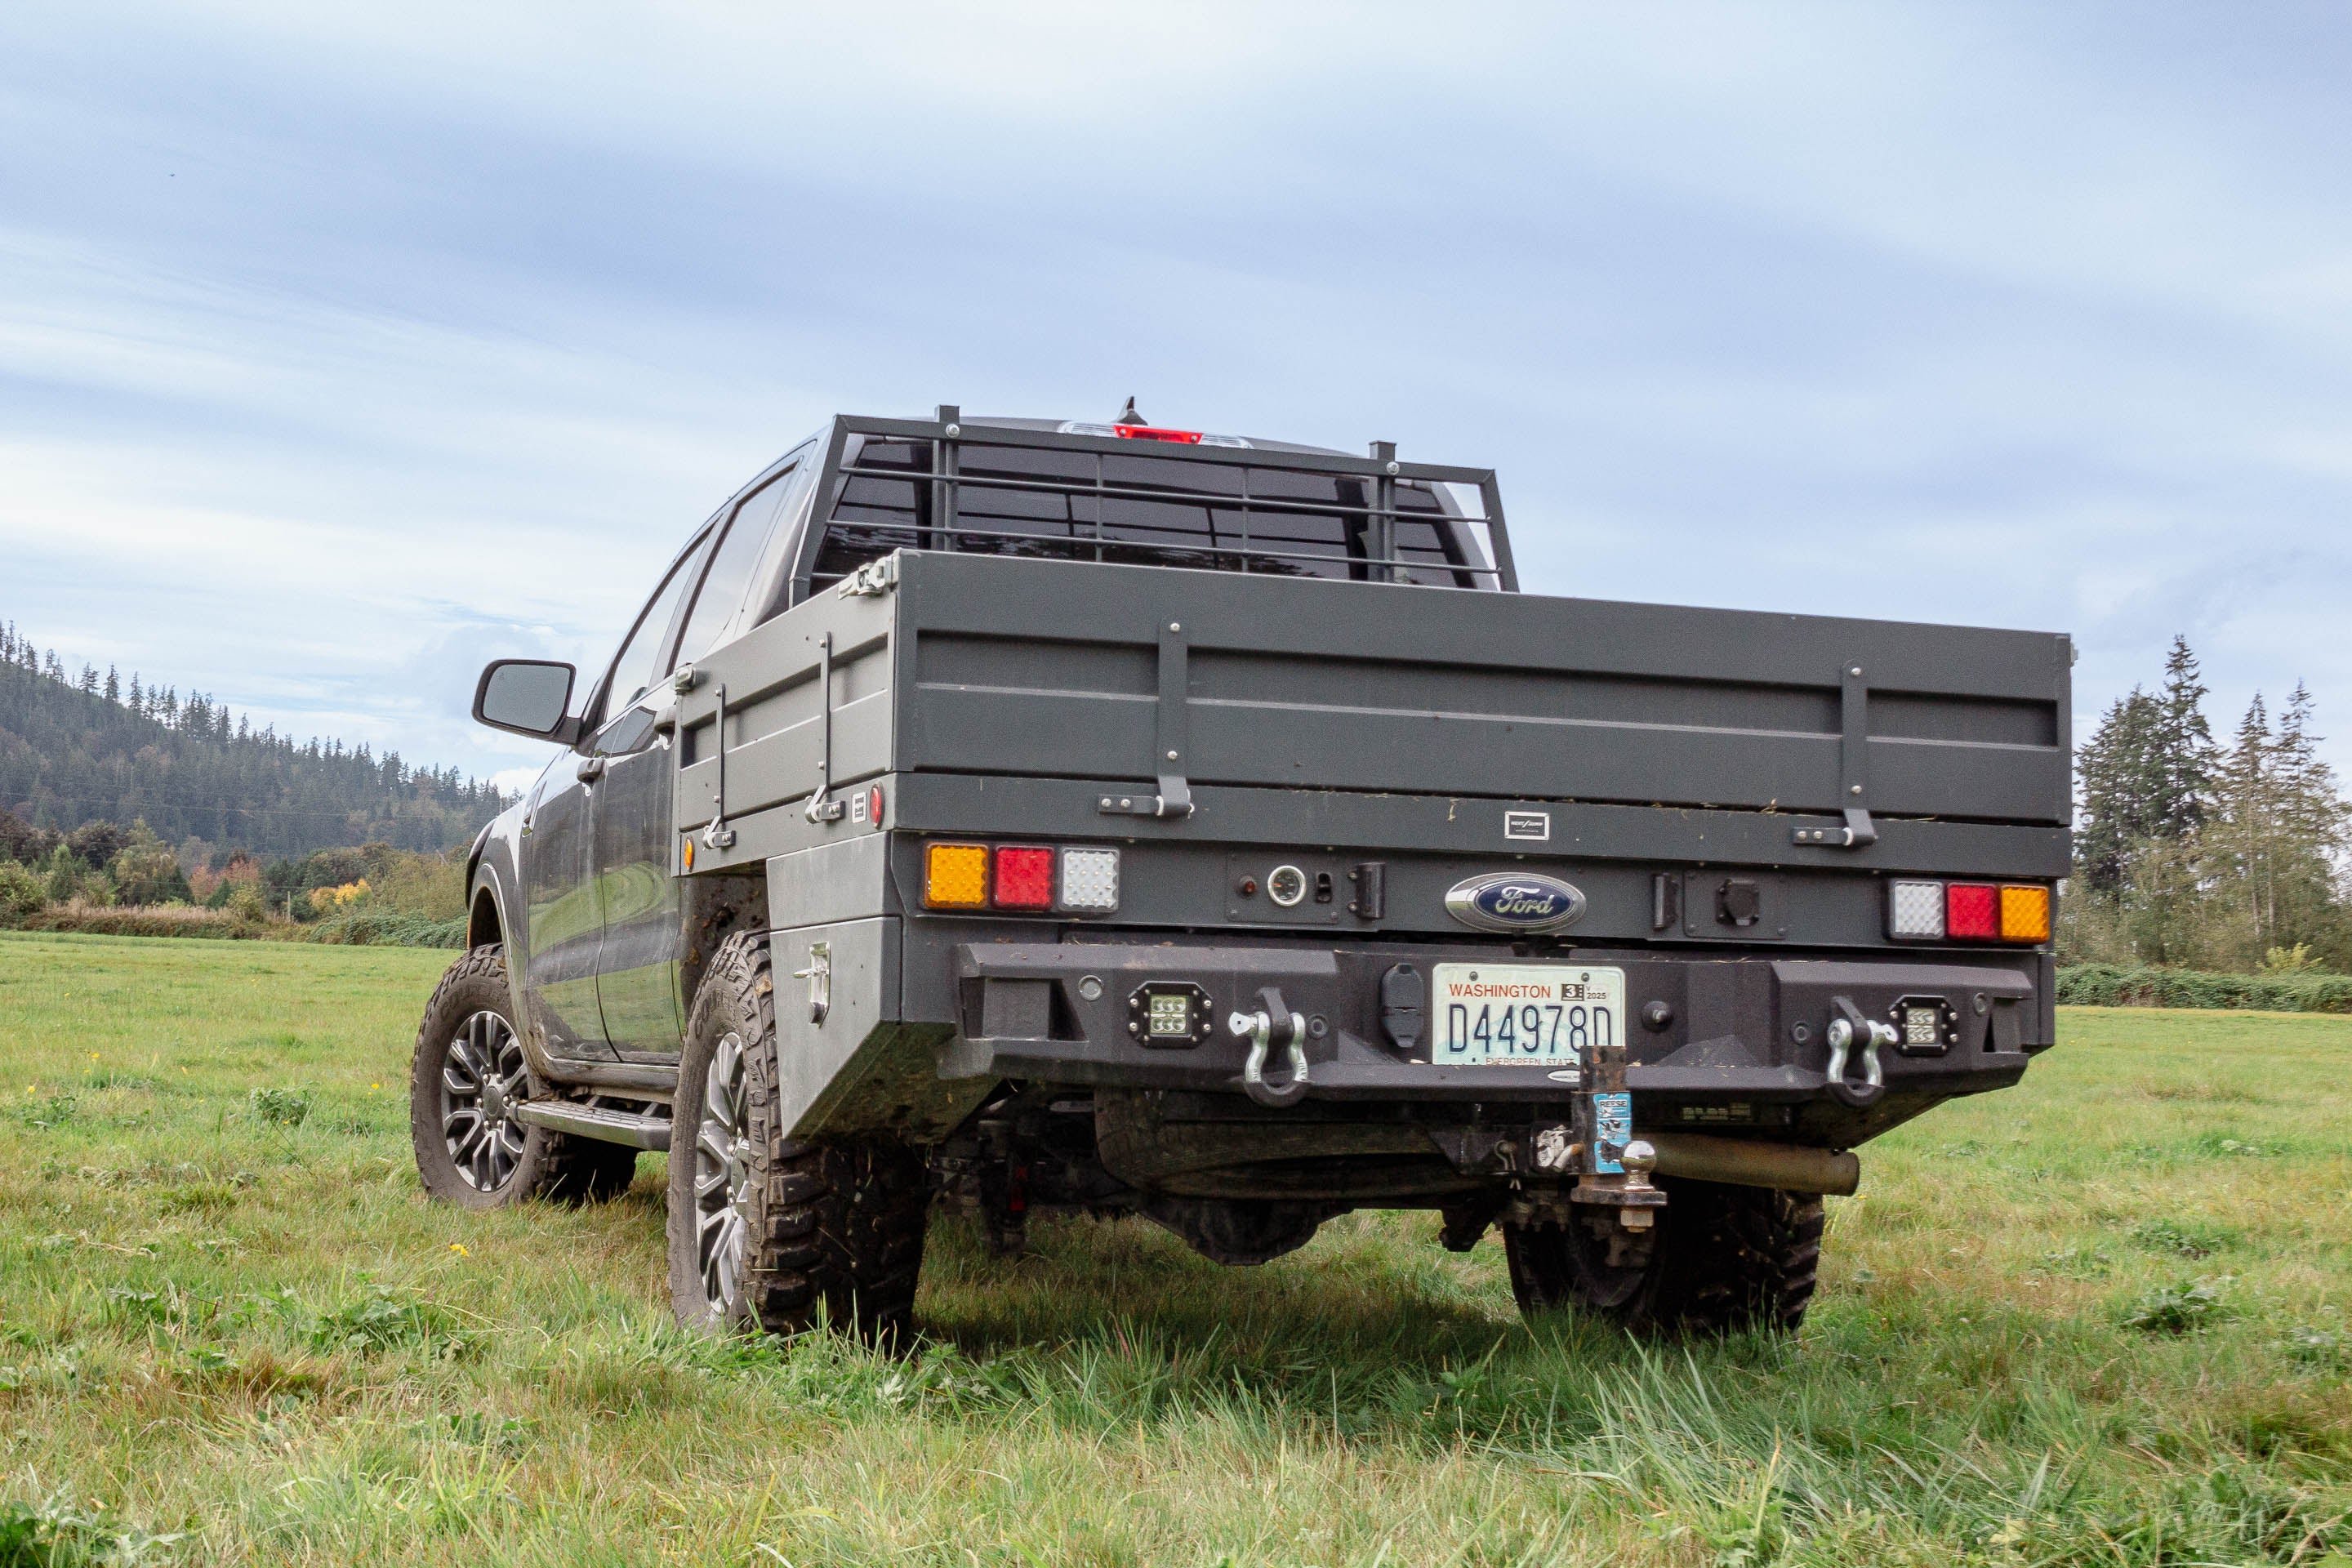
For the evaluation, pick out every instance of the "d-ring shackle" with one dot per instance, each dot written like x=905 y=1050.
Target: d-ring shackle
x=1845 y=1030
x=1274 y=1023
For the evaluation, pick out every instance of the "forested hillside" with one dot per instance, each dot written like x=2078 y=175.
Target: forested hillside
x=90 y=746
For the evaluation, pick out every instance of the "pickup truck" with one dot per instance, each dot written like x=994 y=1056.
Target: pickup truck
x=1018 y=817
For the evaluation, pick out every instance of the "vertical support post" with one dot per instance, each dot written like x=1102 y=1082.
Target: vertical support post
x=1498 y=539
x=943 y=484
x=1381 y=536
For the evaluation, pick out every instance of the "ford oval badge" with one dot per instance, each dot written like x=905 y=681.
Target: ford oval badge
x=1515 y=900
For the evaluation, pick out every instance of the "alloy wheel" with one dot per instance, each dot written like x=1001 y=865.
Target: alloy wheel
x=722 y=1180
x=483 y=1081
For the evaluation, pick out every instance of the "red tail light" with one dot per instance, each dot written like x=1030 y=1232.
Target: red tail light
x=1024 y=878
x=1972 y=912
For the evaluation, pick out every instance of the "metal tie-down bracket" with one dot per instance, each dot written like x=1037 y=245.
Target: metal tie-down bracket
x=715 y=834
x=821 y=806
x=1273 y=1024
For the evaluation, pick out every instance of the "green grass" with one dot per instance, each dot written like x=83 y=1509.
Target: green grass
x=2098 y=1320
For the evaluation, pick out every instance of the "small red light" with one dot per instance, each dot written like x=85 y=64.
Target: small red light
x=874 y=805
x=1971 y=913
x=1157 y=432
x=1024 y=879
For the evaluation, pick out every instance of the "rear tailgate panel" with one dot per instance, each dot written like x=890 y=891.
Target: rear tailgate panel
x=1030 y=667
x=1006 y=694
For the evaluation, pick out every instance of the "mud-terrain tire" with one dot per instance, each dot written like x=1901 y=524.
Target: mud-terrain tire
x=767 y=1231
x=1726 y=1260
x=464 y=1078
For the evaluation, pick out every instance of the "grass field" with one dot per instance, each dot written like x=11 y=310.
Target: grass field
x=2098 y=1320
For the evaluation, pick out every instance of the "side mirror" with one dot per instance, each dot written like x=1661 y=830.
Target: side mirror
x=527 y=696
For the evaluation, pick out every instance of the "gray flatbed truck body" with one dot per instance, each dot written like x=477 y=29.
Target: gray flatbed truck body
x=1783 y=880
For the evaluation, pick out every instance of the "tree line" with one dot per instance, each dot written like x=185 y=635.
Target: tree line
x=2193 y=852
x=90 y=746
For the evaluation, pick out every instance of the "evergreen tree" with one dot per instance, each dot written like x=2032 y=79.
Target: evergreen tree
x=2118 y=780
x=2183 y=748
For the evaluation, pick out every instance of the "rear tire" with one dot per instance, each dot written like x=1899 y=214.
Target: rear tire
x=766 y=1230
x=1726 y=1260
x=465 y=1078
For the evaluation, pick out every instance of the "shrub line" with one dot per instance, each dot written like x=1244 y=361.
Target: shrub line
x=2118 y=986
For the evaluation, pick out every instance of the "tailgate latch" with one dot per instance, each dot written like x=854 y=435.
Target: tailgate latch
x=1168 y=763
x=1854 y=768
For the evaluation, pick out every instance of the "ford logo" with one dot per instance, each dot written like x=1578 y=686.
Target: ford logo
x=1515 y=900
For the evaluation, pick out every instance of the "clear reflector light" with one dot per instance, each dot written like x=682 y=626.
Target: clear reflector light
x=1923 y=1025
x=1090 y=880
x=1915 y=910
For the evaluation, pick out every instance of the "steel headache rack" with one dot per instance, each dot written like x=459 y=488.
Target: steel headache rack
x=1139 y=494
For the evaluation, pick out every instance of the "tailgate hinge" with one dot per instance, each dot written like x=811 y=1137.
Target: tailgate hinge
x=871 y=579
x=1175 y=796
x=1853 y=769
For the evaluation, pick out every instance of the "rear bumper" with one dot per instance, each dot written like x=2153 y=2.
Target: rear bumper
x=1741 y=1047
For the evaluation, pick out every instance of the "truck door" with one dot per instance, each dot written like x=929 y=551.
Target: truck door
x=637 y=969
x=562 y=927
x=566 y=932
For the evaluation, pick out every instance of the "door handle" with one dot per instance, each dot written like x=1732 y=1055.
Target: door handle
x=590 y=770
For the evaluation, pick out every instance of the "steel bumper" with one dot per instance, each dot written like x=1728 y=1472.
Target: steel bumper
x=1729 y=1031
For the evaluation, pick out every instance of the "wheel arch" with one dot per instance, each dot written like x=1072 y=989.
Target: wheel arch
x=483 y=923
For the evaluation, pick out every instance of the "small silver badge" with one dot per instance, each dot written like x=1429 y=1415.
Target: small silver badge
x=1534 y=826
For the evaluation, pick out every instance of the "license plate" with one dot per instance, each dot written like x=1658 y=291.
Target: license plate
x=1539 y=1015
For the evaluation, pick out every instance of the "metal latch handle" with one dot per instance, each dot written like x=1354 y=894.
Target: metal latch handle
x=1170 y=742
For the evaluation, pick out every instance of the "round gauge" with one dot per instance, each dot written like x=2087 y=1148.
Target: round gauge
x=1285 y=885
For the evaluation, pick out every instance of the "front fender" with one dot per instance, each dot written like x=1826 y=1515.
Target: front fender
x=493 y=876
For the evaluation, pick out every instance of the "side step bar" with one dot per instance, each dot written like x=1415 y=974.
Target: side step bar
x=594 y=1121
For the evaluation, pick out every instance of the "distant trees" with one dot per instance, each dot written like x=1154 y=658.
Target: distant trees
x=94 y=747
x=2197 y=853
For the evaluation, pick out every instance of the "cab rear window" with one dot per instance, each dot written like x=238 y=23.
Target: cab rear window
x=1133 y=508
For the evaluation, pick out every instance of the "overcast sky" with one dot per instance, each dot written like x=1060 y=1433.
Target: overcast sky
x=344 y=347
